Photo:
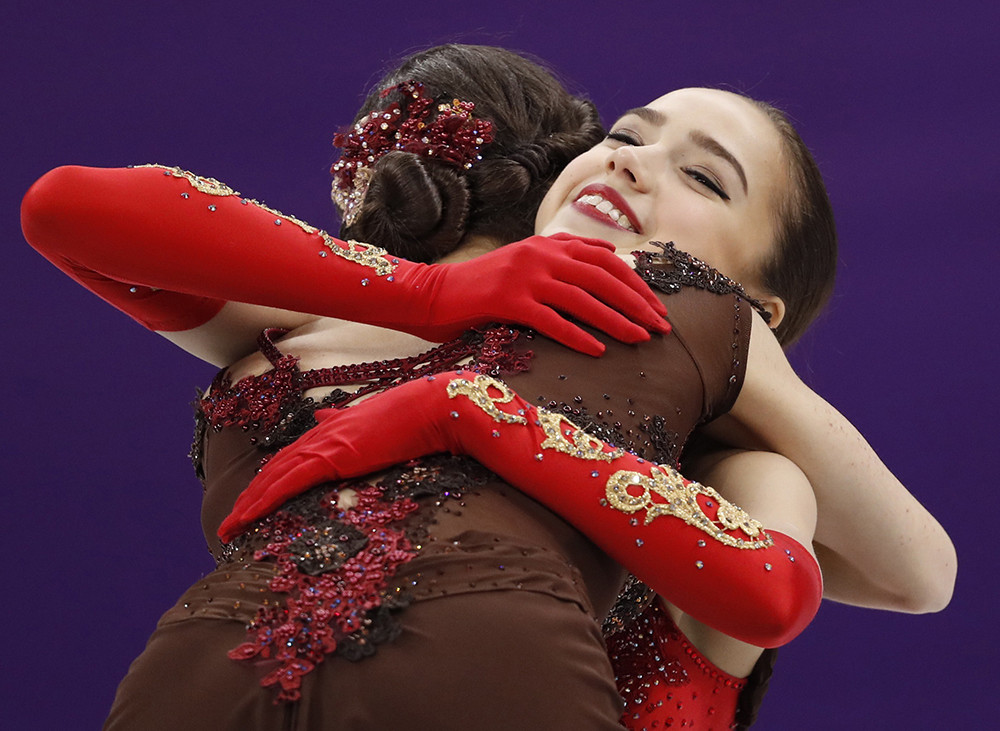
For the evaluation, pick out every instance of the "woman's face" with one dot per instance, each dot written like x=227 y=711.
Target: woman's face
x=700 y=167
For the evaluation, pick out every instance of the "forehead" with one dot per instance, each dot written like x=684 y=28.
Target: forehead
x=734 y=121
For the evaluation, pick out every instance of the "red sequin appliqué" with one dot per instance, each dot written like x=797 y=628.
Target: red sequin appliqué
x=329 y=608
x=334 y=565
x=664 y=681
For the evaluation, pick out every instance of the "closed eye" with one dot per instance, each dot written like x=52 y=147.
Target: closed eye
x=623 y=135
x=708 y=182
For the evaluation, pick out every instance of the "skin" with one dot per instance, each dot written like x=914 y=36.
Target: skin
x=698 y=167
x=665 y=161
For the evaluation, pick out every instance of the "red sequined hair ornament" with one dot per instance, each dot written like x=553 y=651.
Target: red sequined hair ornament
x=453 y=135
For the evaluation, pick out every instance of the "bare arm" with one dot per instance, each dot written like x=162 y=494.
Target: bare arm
x=232 y=333
x=867 y=518
x=776 y=492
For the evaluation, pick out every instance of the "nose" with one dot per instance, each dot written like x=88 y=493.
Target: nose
x=624 y=162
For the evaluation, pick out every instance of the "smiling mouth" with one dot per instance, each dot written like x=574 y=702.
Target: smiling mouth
x=603 y=205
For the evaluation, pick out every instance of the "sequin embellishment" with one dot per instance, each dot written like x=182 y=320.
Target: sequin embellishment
x=209 y=186
x=666 y=492
x=372 y=257
x=665 y=682
x=478 y=391
x=335 y=571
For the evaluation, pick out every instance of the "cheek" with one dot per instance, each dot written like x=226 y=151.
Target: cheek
x=558 y=196
x=699 y=230
x=546 y=210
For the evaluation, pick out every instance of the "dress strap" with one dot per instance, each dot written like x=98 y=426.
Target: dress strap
x=267 y=346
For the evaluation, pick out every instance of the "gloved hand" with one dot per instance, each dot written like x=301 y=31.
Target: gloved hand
x=701 y=552
x=169 y=248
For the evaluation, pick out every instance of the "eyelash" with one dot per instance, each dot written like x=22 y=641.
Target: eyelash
x=707 y=182
x=626 y=137
x=629 y=139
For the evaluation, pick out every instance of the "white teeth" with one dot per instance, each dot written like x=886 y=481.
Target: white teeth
x=607 y=208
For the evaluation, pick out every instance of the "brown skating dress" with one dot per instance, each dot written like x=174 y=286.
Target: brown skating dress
x=432 y=596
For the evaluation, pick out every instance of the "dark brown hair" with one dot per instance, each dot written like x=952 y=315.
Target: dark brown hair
x=803 y=264
x=421 y=208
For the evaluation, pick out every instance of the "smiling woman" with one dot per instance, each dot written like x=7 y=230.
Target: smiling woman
x=696 y=166
x=354 y=601
x=685 y=168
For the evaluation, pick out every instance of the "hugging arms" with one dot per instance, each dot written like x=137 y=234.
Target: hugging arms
x=614 y=192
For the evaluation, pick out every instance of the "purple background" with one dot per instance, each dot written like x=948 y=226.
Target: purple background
x=898 y=103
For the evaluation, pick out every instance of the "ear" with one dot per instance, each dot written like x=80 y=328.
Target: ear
x=776 y=306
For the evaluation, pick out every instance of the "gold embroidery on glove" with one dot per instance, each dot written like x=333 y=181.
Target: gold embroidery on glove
x=210 y=186
x=478 y=391
x=681 y=501
x=574 y=441
x=366 y=255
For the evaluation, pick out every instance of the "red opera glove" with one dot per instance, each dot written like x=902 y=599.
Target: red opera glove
x=167 y=247
x=701 y=552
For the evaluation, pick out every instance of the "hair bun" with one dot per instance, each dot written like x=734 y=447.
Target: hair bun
x=415 y=207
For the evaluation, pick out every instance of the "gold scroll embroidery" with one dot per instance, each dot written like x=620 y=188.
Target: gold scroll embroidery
x=209 y=186
x=572 y=441
x=366 y=255
x=478 y=391
x=575 y=441
x=626 y=491
x=681 y=501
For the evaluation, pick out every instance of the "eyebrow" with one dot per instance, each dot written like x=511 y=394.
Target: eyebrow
x=704 y=141
x=711 y=145
x=648 y=115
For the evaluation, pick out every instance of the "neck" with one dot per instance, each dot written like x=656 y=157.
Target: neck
x=470 y=248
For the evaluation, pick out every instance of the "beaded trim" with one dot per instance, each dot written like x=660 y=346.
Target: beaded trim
x=689 y=271
x=452 y=136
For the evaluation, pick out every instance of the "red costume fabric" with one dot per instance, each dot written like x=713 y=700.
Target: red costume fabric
x=355 y=602
x=680 y=537
x=665 y=681
x=167 y=247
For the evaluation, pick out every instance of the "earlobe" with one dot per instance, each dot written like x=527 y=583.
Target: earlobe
x=774 y=305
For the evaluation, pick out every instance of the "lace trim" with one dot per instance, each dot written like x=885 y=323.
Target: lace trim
x=687 y=271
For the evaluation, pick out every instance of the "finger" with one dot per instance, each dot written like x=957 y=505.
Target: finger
x=552 y=325
x=600 y=243
x=570 y=301
x=277 y=484
x=618 y=268
x=595 y=282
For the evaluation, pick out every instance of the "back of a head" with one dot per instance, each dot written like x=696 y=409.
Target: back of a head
x=422 y=207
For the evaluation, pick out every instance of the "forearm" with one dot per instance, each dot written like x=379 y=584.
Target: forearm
x=704 y=553
x=865 y=515
x=159 y=230
x=131 y=234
